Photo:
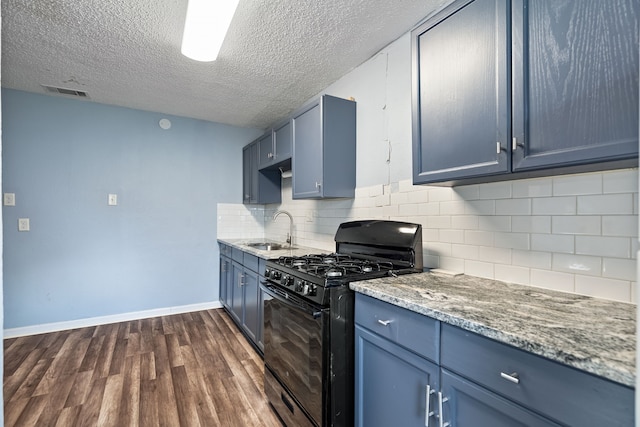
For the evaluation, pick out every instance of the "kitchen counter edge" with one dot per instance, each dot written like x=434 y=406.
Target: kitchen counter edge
x=298 y=251
x=591 y=334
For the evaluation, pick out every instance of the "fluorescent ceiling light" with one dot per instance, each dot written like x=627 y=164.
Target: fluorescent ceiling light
x=205 y=27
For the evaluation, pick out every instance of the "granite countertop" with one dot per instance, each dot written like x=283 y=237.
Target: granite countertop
x=296 y=251
x=591 y=334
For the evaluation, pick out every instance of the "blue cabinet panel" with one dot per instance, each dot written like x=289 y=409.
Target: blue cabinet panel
x=391 y=384
x=469 y=405
x=575 y=79
x=460 y=93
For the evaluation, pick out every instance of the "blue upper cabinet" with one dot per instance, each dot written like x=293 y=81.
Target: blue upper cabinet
x=460 y=93
x=274 y=148
x=516 y=89
x=324 y=149
x=575 y=82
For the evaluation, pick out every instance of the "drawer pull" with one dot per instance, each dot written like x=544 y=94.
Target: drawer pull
x=511 y=377
x=441 y=400
x=428 y=413
x=384 y=322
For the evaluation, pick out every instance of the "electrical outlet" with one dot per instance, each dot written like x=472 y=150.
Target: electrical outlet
x=9 y=199
x=113 y=200
x=23 y=224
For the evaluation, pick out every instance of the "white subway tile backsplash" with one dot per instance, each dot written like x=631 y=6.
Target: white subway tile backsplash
x=439 y=194
x=496 y=190
x=441 y=221
x=465 y=222
x=478 y=237
x=452 y=207
x=465 y=251
x=606 y=204
x=452 y=236
x=513 y=207
x=494 y=255
x=494 y=223
x=618 y=290
x=531 y=224
x=572 y=185
x=467 y=192
x=619 y=247
x=575 y=233
x=577 y=264
x=429 y=209
x=455 y=265
x=479 y=269
x=553 y=280
x=622 y=181
x=552 y=243
x=589 y=225
x=481 y=207
x=554 y=206
x=541 y=187
x=623 y=269
x=532 y=259
x=512 y=274
x=512 y=240
x=620 y=225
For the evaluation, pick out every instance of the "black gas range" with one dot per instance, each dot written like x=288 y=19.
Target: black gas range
x=308 y=318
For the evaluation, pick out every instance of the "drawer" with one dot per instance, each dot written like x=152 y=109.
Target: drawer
x=237 y=255
x=262 y=266
x=560 y=392
x=414 y=331
x=250 y=262
x=225 y=250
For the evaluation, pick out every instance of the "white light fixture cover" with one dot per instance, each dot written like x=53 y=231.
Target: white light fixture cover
x=205 y=27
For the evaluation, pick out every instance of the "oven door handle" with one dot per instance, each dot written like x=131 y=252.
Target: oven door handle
x=291 y=300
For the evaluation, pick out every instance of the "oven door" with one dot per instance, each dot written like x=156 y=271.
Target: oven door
x=293 y=340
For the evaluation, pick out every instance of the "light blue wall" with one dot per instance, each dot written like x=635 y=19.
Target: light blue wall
x=83 y=258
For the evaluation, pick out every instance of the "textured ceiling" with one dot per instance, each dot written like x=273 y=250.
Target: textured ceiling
x=277 y=54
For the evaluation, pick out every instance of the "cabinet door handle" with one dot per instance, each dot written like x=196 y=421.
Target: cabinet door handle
x=515 y=145
x=240 y=279
x=428 y=413
x=498 y=148
x=318 y=185
x=441 y=400
x=384 y=322
x=513 y=377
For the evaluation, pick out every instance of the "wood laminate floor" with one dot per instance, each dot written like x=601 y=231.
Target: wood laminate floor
x=193 y=369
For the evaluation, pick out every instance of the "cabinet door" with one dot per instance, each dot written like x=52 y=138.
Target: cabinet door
x=282 y=141
x=307 y=153
x=265 y=153
x=251 y=312
x=575 y=82
x=392 y=384
x=237 y=295
x=461 y=111
x=469 y=405
x=225 y=275
x=247 y=174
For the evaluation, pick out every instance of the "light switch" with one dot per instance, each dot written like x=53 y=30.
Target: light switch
x=113 y=200
x=23 y=224
x=9 y=199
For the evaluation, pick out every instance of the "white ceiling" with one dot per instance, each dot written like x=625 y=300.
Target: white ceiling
x=277 y=54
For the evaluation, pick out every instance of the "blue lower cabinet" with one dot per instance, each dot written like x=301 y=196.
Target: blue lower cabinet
x=394 y=386
x=465 y=404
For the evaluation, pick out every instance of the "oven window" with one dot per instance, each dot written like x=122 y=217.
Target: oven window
x=293 y=351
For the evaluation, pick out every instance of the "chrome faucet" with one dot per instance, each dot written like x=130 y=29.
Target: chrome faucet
x=290 y=234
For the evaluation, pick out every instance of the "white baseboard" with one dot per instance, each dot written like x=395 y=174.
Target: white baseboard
x=103 y=320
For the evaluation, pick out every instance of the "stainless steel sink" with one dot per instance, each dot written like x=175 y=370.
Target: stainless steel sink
x=266 y=246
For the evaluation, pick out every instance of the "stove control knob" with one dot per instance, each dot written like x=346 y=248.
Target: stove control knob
x=300 y=285
x=287 y=280
x=313 y=290
x=275 y=274
x=305 y=289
